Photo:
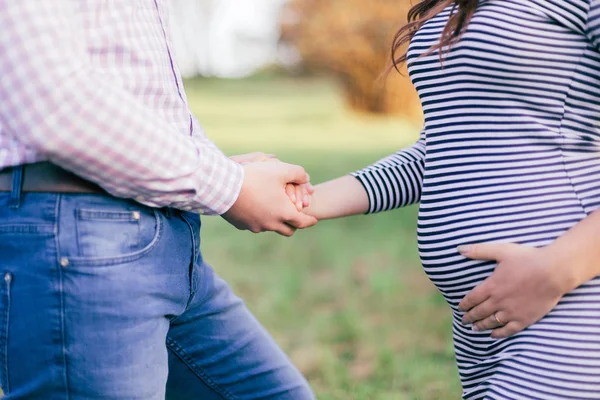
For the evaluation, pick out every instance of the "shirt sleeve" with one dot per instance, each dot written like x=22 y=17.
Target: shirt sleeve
x=395 y=181
x=53 y=101
x=593 y=23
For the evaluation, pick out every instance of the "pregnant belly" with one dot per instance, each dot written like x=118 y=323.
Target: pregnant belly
x=531 y=206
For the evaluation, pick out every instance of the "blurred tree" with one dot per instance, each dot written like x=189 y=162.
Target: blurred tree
x=352 y=39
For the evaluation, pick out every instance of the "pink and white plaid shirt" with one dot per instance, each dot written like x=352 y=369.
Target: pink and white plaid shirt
x=91 y=85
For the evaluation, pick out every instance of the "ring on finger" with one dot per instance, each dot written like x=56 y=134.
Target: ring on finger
x=498 y=320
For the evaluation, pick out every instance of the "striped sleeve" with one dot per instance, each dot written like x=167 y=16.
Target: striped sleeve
x=593 y=23
x=395 y=181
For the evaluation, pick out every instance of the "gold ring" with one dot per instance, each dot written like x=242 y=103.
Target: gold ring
x=497 y=320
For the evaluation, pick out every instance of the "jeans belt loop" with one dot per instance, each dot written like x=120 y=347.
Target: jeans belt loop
x=17 y=187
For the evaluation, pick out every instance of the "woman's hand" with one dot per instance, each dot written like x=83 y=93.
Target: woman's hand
x=526 y=285
x=300 y=195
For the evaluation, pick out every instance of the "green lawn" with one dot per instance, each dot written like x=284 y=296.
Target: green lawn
x=347 y=300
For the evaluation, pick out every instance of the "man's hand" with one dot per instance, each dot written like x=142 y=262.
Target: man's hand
x=300 y=195
x=263 y=204
x=253 y=157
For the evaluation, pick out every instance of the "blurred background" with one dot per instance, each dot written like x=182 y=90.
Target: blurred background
x=304 y=79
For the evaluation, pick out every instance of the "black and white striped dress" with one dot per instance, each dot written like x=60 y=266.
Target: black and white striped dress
x=510 y=152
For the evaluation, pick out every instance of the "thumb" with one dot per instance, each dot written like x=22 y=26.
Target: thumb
x=485 y=251
x=295 y=174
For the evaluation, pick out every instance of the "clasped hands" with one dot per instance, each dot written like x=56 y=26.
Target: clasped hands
x=272 y=197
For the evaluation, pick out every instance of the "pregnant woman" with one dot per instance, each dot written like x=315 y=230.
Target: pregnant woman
x=507 y=173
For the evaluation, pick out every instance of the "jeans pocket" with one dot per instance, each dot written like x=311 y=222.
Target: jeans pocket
x=5 y=299
x=106 y=233
x=109 y=236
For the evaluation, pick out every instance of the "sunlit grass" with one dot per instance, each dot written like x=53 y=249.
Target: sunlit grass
x=347 y=300
x=290 y=114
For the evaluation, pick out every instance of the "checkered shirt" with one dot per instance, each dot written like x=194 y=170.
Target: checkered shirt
x=92 y=86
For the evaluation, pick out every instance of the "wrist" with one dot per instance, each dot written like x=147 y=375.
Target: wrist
x=341 y=197
x=238 y=181
x=562 y=268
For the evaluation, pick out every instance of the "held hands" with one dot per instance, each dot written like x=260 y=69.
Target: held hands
x=299 y=194
x=341 y=197
x=264 y=201
x=525 y=286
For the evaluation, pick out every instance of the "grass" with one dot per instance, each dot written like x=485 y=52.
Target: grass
x=347 y=300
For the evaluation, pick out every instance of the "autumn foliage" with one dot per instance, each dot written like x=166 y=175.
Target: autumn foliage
x=351 y=39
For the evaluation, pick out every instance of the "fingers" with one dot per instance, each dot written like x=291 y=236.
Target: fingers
x=246 y=158
x=281 y=228
x=479 y=313
x=487 y=251
x=252 y=157
x=475 y=297
x=307 y=192
x=290 y=190
x=310 y=189
x=492 y=321
x=301 y=221
x=507 y=330
x=285 y=230
x=294 y=174
x=299 y=197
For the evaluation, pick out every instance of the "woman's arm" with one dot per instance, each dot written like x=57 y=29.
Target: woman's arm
x=577 y=253
x=390 y=183
x=341 y=197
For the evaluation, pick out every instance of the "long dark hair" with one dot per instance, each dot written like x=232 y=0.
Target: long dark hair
x=462 y=12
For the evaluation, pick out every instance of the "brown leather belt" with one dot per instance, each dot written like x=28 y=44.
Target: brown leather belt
x=48 y=177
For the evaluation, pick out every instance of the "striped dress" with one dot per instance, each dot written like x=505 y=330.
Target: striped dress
x=510 y=152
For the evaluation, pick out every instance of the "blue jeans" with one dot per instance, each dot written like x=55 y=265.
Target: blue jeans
x=102 y=298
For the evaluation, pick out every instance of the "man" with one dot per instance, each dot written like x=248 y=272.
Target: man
x=104 y=297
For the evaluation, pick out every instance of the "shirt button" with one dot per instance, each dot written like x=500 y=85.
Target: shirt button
x=200 y=211
x=140 y=199
x=187 y=208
